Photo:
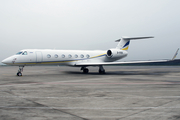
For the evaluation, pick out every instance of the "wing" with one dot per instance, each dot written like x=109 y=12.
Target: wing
x=121 y=63
x=153 y=62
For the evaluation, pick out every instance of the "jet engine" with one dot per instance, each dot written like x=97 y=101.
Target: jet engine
x=115 y=53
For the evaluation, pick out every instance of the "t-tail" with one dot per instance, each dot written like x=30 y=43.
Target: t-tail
x=125 y=41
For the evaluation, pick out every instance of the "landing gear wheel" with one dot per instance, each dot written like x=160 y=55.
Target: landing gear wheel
x=102 y=72
x=85 y=70
x=19 y=74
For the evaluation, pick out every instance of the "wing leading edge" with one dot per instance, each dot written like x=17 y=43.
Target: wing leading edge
x=119 y=63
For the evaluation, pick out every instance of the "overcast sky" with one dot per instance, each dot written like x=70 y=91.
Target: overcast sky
x=90 y=24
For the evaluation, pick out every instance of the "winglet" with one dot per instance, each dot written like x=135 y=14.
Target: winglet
x=175 y=54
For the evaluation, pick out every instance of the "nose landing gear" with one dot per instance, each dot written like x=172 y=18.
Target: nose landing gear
x=19 y=73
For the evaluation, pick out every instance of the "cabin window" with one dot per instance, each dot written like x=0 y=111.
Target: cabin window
x=87 y=56
x=24 y=53
x=63 y=56
x=69 y=56
x=56 y=56
x=75 y=56
x=82 y=55
x=48 y=56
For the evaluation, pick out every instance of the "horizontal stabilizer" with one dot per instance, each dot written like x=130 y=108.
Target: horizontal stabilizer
x=133 y=38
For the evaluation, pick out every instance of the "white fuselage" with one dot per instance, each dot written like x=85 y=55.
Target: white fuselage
x=78 y=58
x=60 y=57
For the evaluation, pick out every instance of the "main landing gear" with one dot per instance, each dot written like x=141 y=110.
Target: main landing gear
x=19 y=73
x=85 y=70
x=101 y=70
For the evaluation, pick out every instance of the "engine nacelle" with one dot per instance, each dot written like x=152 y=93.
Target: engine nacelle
x=116 y=54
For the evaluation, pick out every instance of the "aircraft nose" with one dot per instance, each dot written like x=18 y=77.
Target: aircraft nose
x=3 y=61
x=6 y=61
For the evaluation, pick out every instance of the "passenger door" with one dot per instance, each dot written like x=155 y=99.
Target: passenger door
x=39 y=56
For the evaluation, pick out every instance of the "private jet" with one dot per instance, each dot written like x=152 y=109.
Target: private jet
x=76 y=58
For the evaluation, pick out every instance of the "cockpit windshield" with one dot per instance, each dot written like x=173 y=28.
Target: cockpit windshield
x=24 y=53
x=18 y=53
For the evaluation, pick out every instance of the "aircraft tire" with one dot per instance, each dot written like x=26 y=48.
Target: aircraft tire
x=102 y=72
x=19 y=74
x=86 y=70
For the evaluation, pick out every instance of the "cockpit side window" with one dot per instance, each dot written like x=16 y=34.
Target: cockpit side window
x=24 y=53
x=18 y=53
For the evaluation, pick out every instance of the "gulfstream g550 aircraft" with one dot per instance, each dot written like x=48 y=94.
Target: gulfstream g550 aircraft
x=78 y=58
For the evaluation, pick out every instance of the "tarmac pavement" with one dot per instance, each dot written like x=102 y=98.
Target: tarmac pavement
x=65 y=93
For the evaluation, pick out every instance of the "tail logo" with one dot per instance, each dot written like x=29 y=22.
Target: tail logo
x=126 y=46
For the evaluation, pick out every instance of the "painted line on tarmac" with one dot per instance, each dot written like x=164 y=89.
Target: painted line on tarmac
x=122 y=91
x=110 y=91
x=142 y=97
x=88 y=108
x=91 y=83
x=139 y=116
x=108 y=83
